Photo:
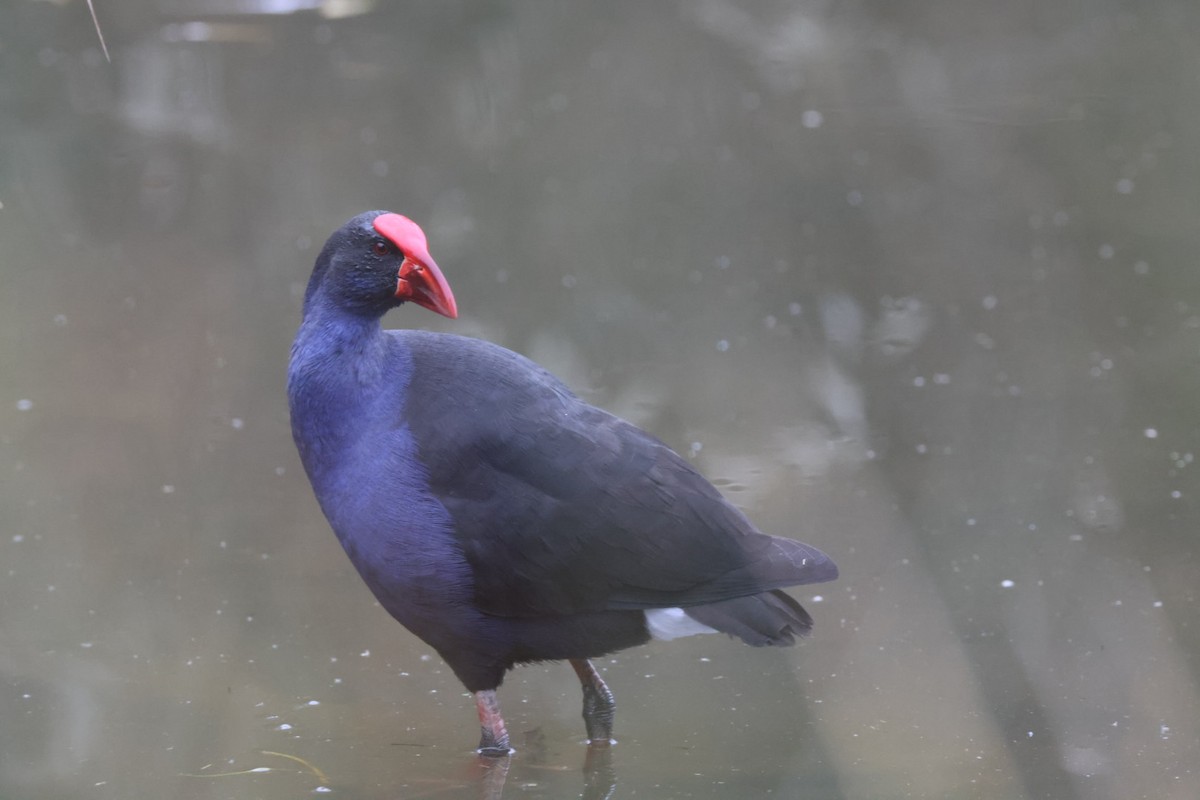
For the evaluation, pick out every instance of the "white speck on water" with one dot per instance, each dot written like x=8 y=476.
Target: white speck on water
x=1150 y=433
x=1032 y=526
x=260 y=769
x=60 y=320
x=168 y=489
x=1014 y=390
x=985 y=341
x=501 y=276
x=854 y=197
x=1106 y=251
x=303 y=243
x=1029 y=734
x=365 y=654
x=722 y=345
x=426 y=657
x=723 y=262
x=18 y=537
x=770 y=321
x=222 y=544
x=85 y=645
x=990 y=302
x=380 y=168
x=970 y=522
x=314 y=703
x=695 y=447
x=795 y=309
x=818 y=598
x=1075 y=537
x=322 y=790
x=812 y=119
x=1157 y=604
x=569 y=281
x=1176 y=494
x=1141 y=268
x=283 y=726
x=26 y=696
x=941 y=378
x=1124 y=186
x=237 y=423
x=1007 y=584
x=919 y=381
x=50 y=588
x=1060 y=218
x=280 y=471
x=922 y=449
x=1164 y=731
x=24 y=404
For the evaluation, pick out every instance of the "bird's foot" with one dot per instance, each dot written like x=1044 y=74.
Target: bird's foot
x=493 y=736
x=599 y=706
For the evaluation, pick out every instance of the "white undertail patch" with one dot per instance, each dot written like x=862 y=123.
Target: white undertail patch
x=666 y=624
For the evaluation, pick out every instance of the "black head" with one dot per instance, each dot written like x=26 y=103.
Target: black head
x=377 y=261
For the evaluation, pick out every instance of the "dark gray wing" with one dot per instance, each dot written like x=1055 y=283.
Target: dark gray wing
x=563 y=508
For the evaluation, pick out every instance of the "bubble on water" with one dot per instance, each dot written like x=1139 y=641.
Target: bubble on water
x=989 y=302
x=1007 y=584
x=24 y=404
x=723 y=345
x=237 y=423
x=168 y=489
x=812 y=118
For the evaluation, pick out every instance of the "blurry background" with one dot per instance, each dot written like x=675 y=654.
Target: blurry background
x=916 y=283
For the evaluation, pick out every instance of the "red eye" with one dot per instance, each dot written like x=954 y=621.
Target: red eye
x=379 y=248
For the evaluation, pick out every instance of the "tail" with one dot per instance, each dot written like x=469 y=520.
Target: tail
x=770 y=618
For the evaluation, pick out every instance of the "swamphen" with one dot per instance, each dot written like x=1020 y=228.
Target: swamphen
x=495 y=514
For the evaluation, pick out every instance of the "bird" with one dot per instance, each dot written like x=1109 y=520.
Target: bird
x=496 y=515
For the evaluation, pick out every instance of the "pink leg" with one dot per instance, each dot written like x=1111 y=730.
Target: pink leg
x=493 y=740
x=599 y=707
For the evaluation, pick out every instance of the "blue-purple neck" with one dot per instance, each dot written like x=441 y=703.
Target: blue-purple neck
x=339 y=373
